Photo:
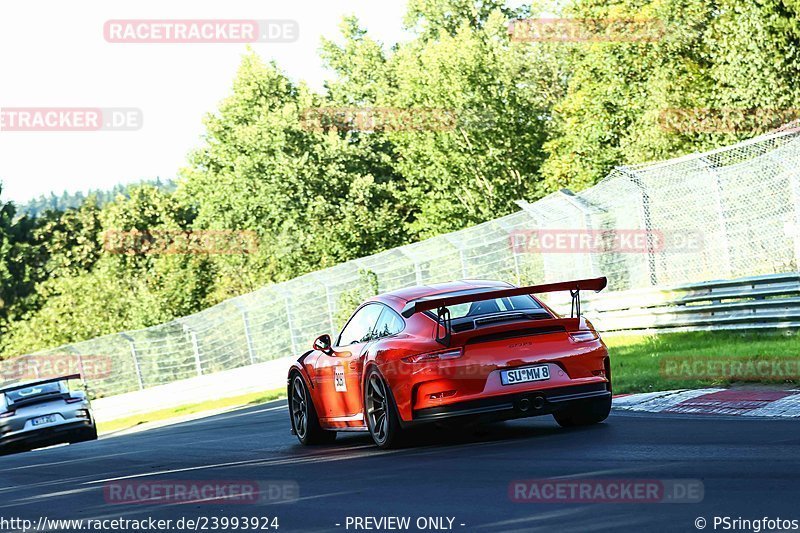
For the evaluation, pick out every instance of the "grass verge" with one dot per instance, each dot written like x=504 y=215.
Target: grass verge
x=183 y=410
x=639 y=362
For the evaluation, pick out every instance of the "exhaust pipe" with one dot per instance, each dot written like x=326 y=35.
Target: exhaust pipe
x=538 y=402
x=524 y=404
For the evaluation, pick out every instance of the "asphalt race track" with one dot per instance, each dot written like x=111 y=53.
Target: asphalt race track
x=750 y=468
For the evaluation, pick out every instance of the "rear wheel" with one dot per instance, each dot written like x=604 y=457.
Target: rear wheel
x=584 y=413
x=85 y=435
x=305 y=422
x=381 y=415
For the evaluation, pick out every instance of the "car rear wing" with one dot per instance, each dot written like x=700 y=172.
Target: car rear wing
x=441 y=303
x=28 y=384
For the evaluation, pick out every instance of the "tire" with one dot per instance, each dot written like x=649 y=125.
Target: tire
x=380 y=412
x=585 y=413
x=85 y=435
x=303 y=415
x=10 y=449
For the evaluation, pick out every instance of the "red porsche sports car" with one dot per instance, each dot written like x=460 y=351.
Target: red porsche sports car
x=466 y=351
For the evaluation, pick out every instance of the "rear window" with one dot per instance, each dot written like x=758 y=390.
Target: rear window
x=522 y=302
x=33 y=391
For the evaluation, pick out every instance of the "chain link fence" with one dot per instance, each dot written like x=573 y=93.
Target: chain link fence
x=728 y=213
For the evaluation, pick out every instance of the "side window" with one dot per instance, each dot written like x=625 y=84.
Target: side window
x=389 y=323
x=361 y=325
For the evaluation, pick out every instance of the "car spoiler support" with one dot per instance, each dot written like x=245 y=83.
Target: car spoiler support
x=441 y=303
x=443 y=321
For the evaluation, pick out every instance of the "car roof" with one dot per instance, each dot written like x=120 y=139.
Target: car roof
x=420 y=291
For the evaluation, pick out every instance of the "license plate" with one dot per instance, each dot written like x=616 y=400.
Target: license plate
x=49 y=419
x=524 y=375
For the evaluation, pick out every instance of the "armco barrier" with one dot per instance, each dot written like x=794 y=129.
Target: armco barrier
x=754 y=302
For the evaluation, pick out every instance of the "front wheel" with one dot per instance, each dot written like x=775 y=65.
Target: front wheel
x=381 y=415
x=305 y=422
x=584 y=413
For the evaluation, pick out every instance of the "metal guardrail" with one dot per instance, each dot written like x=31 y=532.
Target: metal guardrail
x=754 y=302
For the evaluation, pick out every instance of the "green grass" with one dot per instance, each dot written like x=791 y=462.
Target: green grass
x=183 y=410
x=636 y=360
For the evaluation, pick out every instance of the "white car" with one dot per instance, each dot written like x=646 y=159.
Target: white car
x=43 y=413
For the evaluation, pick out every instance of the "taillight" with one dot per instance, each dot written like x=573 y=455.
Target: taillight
x=583 y=336
x=7 y=414
x=74 y=400
x=433 y=356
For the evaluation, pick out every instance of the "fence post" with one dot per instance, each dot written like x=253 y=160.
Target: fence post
x=329 y=301
x=251 y=352
x=795 y=184
x=464 y=273
x=417 y=270
x=248 y=338
x=723 y=226
x=533 y=211
x=582 y=206
x=195 y=348
x=510 y=229
x=135 y=358
x=646 y=221
x=291 y=326
x=75 y=352
x=36 y=373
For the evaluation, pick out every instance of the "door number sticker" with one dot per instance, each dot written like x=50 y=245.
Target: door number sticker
x=338 y=378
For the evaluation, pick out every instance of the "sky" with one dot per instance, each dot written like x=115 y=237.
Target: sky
x=54 y=54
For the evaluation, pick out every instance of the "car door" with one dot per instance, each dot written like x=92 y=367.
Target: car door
x=338 y=373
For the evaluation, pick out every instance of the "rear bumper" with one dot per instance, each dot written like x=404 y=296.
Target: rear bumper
x=515 y=405
x=51 y=434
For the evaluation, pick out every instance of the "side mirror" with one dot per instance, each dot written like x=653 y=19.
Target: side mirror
x=323 y=343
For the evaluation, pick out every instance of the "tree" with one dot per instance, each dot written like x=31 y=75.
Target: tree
x=313 y=198
x=623 y=96
x=20 y=263
x=432 y=19
x=476 y=110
